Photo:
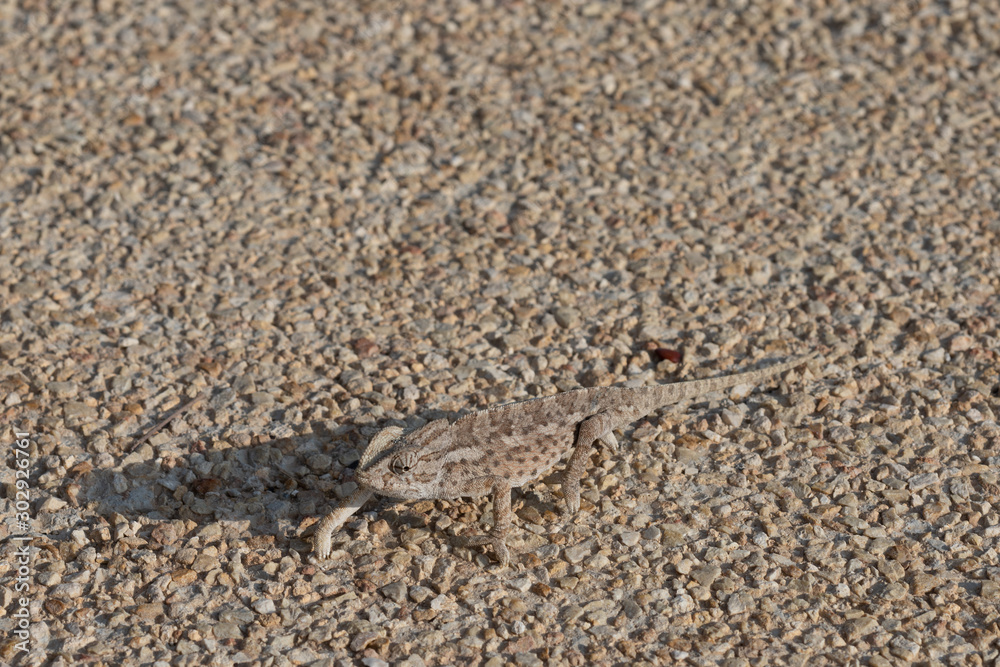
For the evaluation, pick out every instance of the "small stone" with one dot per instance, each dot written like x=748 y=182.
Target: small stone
x=630 y=608
x=78 y=410
x=652 y=533
x=361 y=640
x=683 y=604
x=918 y=482
x=736 y=604
x=244 y=385
x=319 y=463
x=149 y=611
x=732 y=418
x=69 y=591
x=521 y=584
x=205 y=563
x=119 y=483
x=184 y=576
x=211 y=532
x=567 y=318
x=891 y=570
x=263 y=606
x=901 y=647
x=673 y=537
x=543 y=590
x=961 y=343
x=687 y=455
x=525 y=659
x=629 y=538
x=571 y=613
x=420 y=593
x=396 y=591
x=62 y=389
x=895 y=591
x=934 y=357
x=990 y=589
x=52 y=504
x=413 y=660
x=597 y=562
x=857 y=628
x=706 y=574
x=443 y=603
x=262 y=398
x=568 y=583
x=576 y=554
x=608 y=84
x=201 y=506
x=227 y=631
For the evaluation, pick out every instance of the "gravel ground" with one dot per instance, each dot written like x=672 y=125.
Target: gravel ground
x=320 y=219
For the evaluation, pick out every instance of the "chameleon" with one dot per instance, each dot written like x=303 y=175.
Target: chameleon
x=502 y=447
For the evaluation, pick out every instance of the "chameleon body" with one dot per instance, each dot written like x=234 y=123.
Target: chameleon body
x=507 y=446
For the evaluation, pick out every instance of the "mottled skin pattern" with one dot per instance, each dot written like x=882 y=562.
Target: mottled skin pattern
x=495 y=450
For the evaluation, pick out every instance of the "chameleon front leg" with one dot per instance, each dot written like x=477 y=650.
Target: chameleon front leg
x=500 y=489
x=597 y=427
x=323 y=536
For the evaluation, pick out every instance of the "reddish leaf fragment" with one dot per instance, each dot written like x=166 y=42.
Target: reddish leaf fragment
x=364 y=347
x=207 y=485
x=667 y=354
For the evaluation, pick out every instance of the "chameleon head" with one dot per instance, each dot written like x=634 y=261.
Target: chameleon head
x=390 y=465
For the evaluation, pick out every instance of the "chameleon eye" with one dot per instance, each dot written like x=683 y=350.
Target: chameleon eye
x=399 y=467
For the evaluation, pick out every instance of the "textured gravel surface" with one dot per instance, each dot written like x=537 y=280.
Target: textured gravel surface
x=322 y=218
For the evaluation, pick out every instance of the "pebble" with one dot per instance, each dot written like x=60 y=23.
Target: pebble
x=567 y=318
x=857 y=628
x=262 y=398
x=442 y=602
x=629 y=538
x=903 y=648
x=919 y=482
x=736 y=604
x=521 y=584
x=62 y=389
x=420 y=593
x=706 y=574
x=264 y=606
x=576 y=554
x=732 y=418
x=79 y=410
x=961 y=343
x=396 y=591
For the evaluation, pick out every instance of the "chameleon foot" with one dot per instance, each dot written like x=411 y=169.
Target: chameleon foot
x=571 y=493
x=500 y=550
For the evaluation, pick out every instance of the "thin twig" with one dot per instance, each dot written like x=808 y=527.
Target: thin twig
x=169 y=418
